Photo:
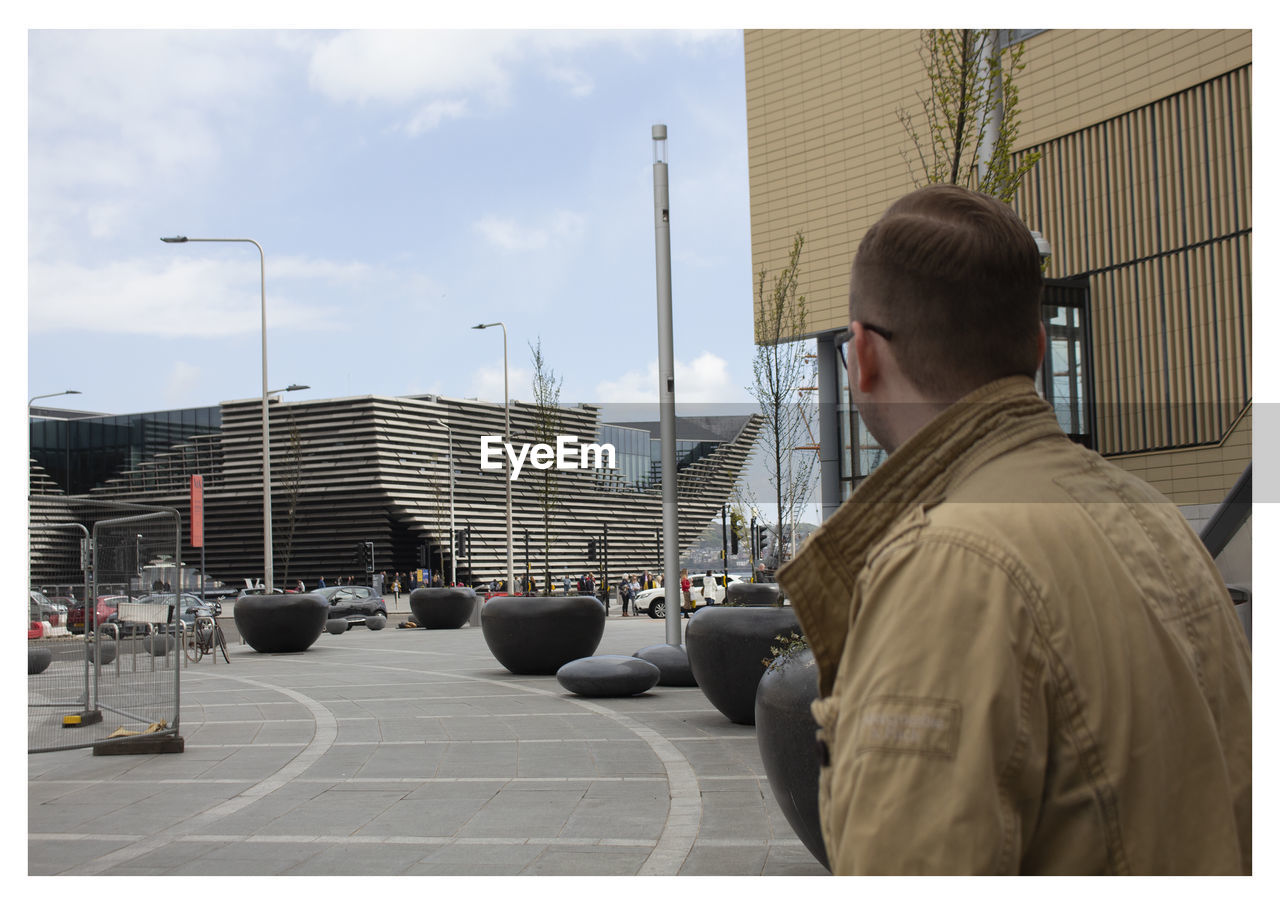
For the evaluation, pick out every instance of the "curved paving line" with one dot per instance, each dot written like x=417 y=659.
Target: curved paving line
x=684 y=814
x=326 y=732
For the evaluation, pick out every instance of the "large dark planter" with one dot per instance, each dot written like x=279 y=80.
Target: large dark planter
x=747 y=593
x=538 y=635
x=727 y=647
x=787 y=735
x=38 y=660
x=281 y=623
x=442 y=607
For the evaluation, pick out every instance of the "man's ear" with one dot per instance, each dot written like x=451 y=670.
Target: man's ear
x=867 y=355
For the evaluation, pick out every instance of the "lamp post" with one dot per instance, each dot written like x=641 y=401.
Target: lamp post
x=50 y=396
x=506 y=401
x=453 y=534
x=28 y=493
x=67 y=432
x=666 y=381
x=267 y=553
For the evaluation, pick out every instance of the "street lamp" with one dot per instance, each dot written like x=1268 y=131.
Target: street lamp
x=506 y=398
x=267 y=554
x=453 y=534
x=67 y=433
x=51 y=395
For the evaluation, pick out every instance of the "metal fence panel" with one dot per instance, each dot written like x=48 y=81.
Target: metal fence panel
x=103 y=665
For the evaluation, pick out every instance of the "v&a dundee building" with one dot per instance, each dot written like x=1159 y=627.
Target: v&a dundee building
x=375 y=469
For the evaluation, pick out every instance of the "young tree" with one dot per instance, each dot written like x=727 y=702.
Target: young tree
x=781 y=368
x=970 y=112
x=293 y=486
x=547 y=424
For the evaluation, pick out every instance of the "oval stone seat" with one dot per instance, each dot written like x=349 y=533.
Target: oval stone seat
x=672 y=661
x=608 y=676
x=442 y=607
x=281 y=623
x=538 y=635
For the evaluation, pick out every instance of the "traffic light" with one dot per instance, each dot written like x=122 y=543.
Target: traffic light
x=422 y=556
x=369 y=561
x=591 y=549
x=362 y=554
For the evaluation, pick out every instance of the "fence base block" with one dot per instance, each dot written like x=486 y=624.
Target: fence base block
x=141 y=744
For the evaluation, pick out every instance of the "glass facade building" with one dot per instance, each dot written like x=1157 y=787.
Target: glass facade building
x=82 y=453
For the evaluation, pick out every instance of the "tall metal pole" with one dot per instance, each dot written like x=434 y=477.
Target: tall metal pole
x=267 y=553
x=724 y=545
x=666 y=387
x=506 y=398
x=453 y=531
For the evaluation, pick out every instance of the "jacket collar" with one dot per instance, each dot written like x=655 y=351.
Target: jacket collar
x=820 y=581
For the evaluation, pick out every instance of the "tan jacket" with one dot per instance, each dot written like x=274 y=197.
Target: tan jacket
x=1028 y=663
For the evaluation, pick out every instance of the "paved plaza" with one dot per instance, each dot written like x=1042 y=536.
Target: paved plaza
x=406 y=752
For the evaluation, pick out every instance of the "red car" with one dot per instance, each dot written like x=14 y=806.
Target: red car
x=106 y=608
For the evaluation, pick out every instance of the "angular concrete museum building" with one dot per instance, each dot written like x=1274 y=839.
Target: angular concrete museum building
x=376 y=469
x=1143 y=193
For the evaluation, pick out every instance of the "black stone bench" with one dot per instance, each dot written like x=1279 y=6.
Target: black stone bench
x=608 y=676
x=672 y=661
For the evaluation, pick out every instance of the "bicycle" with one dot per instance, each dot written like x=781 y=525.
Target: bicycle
x=206 y=637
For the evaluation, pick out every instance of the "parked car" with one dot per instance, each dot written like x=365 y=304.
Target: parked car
x=45 y=610
x=356 y=603
x=104 y=611
x=654 y=600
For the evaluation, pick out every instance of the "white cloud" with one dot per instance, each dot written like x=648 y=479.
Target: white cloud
x=506 y=233
x=400 y=67
x=487 y=383
x=579 y=83
x=434 y=113
x=450 y=69
x=705 y=379
x=187 y=297
x=116 y=116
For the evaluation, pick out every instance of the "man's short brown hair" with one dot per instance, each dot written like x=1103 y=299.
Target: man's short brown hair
x=955 y=275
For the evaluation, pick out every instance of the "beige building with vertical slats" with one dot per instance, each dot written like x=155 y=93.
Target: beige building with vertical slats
x=1144 y=193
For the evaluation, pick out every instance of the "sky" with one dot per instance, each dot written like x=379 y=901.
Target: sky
x=404 y=186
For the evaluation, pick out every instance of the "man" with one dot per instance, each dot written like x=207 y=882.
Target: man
x=1027 y=661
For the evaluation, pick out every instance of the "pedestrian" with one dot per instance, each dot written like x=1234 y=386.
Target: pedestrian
x=624 y=595
x=1026 y=661
x=686 y=587
x=395 y=587
x=708 y=588
x=322 y=584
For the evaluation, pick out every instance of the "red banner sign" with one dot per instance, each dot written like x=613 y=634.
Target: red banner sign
x=197 y=510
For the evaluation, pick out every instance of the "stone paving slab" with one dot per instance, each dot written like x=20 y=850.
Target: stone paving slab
x=412 y=752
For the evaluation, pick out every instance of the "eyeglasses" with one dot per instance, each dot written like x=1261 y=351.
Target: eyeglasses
x=843 y=337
